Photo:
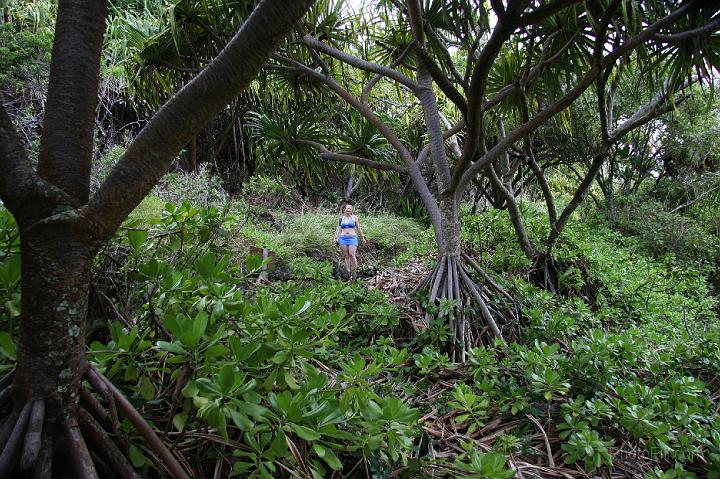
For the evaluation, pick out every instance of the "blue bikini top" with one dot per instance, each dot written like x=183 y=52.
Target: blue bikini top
x=350 y=224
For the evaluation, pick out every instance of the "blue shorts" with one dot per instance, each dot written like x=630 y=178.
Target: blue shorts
x=350 y=240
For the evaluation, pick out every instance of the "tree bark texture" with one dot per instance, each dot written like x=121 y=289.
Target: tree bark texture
x=450 y=226
x=55 y=283
x=67 y=140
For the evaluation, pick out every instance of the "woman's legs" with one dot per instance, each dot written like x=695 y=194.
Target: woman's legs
x=346 y=254
x=353 y=259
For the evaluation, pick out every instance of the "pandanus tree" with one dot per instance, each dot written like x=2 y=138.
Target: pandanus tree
x=447 y=53
x=607 y=137
x=51 y=416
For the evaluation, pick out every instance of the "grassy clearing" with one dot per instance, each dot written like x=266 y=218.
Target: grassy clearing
x=312 y=234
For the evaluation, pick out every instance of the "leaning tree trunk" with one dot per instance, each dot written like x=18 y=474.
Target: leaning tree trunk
x=451 y=284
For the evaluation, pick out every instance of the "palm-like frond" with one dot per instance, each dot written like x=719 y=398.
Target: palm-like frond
x=329 y=21
x=163 y=44
x=275 y=133
x=33 y=15
x=356 y=135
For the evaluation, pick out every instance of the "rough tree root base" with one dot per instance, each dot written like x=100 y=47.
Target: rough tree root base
x=451 y=280
x=27 y=443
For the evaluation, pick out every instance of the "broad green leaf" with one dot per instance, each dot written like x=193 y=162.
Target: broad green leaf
x=290 y=381
x=226 y=379
x=147 y=389
x=170 y=347
x=137 y=238
x=241 y=420
x=137 y=458
x=327 y=455
x=7 y=346
x=10 y=270
x=180 y=420
x=305 y=432
x=250 y=409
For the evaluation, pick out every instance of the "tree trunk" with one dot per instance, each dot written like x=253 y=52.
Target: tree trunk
x=55 y=284
x=452 y=281
x=193 y=154
x=56 y=263
x=450 y=227
x=611 y=193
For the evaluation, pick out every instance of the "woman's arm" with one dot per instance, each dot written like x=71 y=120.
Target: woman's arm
x=337 y=231
x=359 y=229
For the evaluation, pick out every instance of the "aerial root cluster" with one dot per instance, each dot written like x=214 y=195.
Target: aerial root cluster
x=92 y=450
x=452 y=280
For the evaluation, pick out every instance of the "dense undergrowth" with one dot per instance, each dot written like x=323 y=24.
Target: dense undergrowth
x=313 y=377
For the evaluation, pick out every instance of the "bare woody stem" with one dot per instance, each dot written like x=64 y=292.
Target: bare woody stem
x=427 y=99
x=356 y=62
x=659 y=105
x=137 y=420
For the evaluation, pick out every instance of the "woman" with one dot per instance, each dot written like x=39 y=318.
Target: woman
x=346 y=235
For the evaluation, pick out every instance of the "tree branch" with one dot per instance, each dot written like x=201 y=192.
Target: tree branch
x=476 y=94
x=426 y=95
x=18 y=178
x=348 y=158
x=562 y=103
x=432 y=34
x=680 y=37
x=149 y=155
x=67 y=140
x=365 y=95
x=696 y=199
x=654 y=108
x=578 y=197
x=644 y=114
x=539 y=173
x=27 y=196
x=364 y=110
x=448 y=134
x=514 y=211
x=545 y=11
x=443 y=81
x=356 y=62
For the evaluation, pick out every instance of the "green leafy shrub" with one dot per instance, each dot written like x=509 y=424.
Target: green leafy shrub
x=10 y=275
x=325 y=367
x=660 y=233
x=308 y=269
x=148 y=212
x=266 y=191
x=200 y=187
x=24 y=56
x=101 y=166
x=479 y=465
x=586 y=446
